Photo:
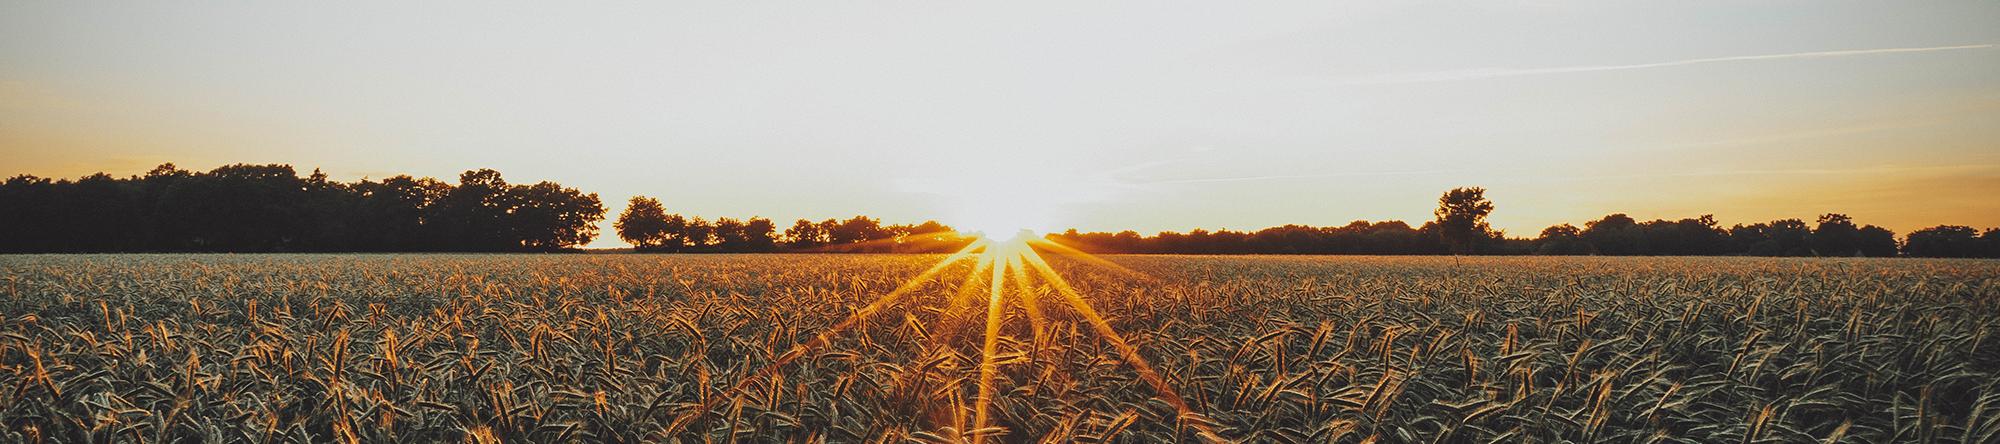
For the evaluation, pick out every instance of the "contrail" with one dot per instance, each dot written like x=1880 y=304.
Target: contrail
x=1487 y=73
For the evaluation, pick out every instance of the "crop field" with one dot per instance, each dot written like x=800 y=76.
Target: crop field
x=627 y=348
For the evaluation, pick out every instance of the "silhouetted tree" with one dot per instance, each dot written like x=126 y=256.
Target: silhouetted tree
x=729 y=236
x=805 y=235
x=856 y=230
x=1287 y=239
x=643 y=224
x=327 y=222
x=1877 y=241
x=547 y=216
x=759 y=235
x=697 y=234
x=1690 y=236
x=1615 y=234
x=1790 y=237
x=268 y=208
x=473 y=215
x=1836 y=236
x=235 y=208
x=1564 y=239
x=394 y=214
x=1461 y=219
x=676 y=229
x=1944 y=241
x=26 y=201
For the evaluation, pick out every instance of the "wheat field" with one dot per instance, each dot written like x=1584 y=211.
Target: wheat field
x=646 y=348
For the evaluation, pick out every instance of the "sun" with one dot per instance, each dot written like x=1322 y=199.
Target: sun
x=1001 y=236
x=1001 y=216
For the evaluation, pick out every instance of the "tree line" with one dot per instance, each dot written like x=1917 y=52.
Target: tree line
x=1460 y=228
x=649 y=228
x=271 y=208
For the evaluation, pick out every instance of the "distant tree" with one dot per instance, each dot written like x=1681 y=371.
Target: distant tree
x=697 y=234
x=237 y=207
x=828 y=226
x=1836 y=236
x=28 y=223
x=729 y=236
x=1461 y=219
x=473 y=216
x=931 y=227
x=1564 y=239
x=676 y=229
x=856 y=230
x=1744 y=238
x=1615 y=235
x=759 y=235
x=547 y=216
x=804 y=235
x=1944 y=241
x=270 y=208
x=643 y=224
x=1706 y=235
x=395 y=214
x=1397 y=237
x=925 y=237
x=1876 y=241
x=266 y=208
x=1287 y=239
x=1688 y=236
x=1790 y=237
x=328 y=211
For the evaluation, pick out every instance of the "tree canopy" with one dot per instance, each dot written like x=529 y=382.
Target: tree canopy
x=269 y=208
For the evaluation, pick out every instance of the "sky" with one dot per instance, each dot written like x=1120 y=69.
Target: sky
x=1143 y=115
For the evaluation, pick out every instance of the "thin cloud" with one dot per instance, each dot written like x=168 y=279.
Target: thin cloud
x=1487 y=73
x=1287 y=177
x=1885 y=170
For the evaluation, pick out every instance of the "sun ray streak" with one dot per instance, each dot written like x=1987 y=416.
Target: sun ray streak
x=925 y=239
x=960 y=302
x=987 y=366
x=998 y=261
x=826 y=337
x=1069 y=251
x=1029 y=300
x=1159 y=384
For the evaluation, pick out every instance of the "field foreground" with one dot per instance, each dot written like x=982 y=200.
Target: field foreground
x=314 y=348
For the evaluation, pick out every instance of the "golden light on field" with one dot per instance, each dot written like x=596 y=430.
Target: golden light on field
x=1014 y=274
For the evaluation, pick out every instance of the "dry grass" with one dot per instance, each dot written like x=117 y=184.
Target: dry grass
x=624 y=348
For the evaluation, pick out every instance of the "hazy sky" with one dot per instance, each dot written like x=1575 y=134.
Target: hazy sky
x=1147 y=115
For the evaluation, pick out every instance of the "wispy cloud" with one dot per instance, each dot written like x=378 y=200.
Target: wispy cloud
x=1877 y=170
x=1487 y=73
x=1287 y=177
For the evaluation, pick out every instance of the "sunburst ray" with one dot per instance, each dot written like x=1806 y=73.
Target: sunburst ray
x=987 y=366
x=1072 y=252
x=1012 y=262
x=1131 y=355
x=826 y=337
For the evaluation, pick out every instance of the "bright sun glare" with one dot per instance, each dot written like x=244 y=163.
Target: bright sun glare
x=1000 y=197
x=1001 y=218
